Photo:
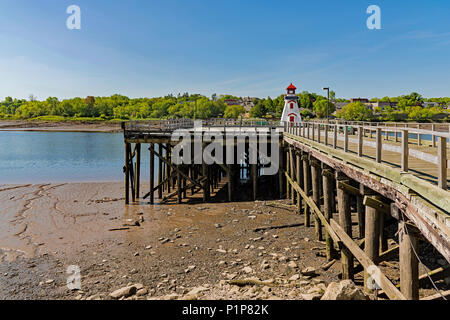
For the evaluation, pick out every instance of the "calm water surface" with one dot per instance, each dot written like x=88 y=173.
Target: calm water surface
x=37 y=157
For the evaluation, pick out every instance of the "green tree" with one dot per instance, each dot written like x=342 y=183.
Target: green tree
x=320 y=108
x=258 y=111
x=355 y=111
x=233 y=112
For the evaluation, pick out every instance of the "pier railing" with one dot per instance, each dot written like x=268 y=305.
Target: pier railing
x=372 y=135
x=173 y=124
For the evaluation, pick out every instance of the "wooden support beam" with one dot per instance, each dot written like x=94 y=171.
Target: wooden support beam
x=409 y=264
x=160 y=171
x=315 y=178
x=328 y=195
x=179 y=187
x=377 y=203
x=438 y=296
x=152 y=174
x=361 y=211
x=137 y=171
x=299 y=180
x=382 y=281
x=174 y=167
x=281 y=170
x=372 y=239
x=309 y=202
x=127 y=173
x=307 y=187
x=345 y=221
x=254 y=175
x=348 y=188
x=230 y=183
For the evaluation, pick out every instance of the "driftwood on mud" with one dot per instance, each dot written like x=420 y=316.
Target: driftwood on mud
x=279 y=227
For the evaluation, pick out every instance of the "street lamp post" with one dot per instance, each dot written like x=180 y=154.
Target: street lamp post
x=328 y=99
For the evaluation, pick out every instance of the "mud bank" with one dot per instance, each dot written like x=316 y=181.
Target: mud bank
x=167 y=250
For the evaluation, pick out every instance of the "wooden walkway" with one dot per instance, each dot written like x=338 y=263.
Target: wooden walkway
x=384 y=173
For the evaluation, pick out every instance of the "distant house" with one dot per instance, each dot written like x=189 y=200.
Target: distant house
x=248 y=103
x=430 y=104
x=340 y=105
x=381 y=104
x=363 y=100
x=232 y=102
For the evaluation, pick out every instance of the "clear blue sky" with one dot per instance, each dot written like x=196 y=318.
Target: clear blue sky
x=246 y=47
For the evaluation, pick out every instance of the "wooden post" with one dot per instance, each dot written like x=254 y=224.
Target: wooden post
x=409 y=264
x=405 y=150
x=299 y=180
x=230 y=183
x=433 y=137
x=288 y=170
x=383 y=236
x=254 y=174
x=292 y=172
x=419 y=136
x=442 y=163
x=315 y=178
x=206 y=177
x=152 y=174
x=345 y=138
x=168 y=169
x=361 y=210
x=372 y=238
x=318 y=133
x=160 y=171
x=345 y=221
x=137 y=171
x=326 y=134
x=328 y=195
x=127 y=172
x=281 y=170
x=307 y=185
x=335 y=134
x=360 y=141
x=379 y=145
x=179 y=187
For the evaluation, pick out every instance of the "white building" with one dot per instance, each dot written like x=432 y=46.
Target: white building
x=291 y=112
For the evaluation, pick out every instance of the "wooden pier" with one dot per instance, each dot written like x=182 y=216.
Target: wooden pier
x=338 y=174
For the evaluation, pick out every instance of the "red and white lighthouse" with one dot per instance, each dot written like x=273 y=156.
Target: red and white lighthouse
x=291 y=112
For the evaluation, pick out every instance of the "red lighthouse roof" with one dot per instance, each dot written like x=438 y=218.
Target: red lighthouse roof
x=291 y=87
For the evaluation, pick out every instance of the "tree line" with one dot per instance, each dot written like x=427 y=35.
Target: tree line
x=312 y=105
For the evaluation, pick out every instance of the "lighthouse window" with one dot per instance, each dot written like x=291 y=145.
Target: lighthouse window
x=292 y=106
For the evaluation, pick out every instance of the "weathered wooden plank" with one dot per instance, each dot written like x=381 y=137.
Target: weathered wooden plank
x=384 y=283
x=315 y=210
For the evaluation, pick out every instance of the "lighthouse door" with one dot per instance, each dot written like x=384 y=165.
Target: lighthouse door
x=292 y=119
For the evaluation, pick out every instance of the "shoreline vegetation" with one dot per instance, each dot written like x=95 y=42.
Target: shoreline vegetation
x=116 y=108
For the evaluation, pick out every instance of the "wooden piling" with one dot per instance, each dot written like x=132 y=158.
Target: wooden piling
x=409 y=264
x=372 y=238
x=315 y=178
x=127 y=172
x=307 y=186
x=152 y=173
x=328 y=195
x=345 y=221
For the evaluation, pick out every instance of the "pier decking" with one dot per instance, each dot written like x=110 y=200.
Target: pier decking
x=382 y=173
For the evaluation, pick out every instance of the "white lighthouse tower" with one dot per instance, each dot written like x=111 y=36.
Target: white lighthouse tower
x=291 y=112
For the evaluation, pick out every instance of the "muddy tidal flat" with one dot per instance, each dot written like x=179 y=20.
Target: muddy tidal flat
x=167 y=250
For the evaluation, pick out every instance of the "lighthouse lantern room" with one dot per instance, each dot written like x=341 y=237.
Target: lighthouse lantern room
x=291 y=111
